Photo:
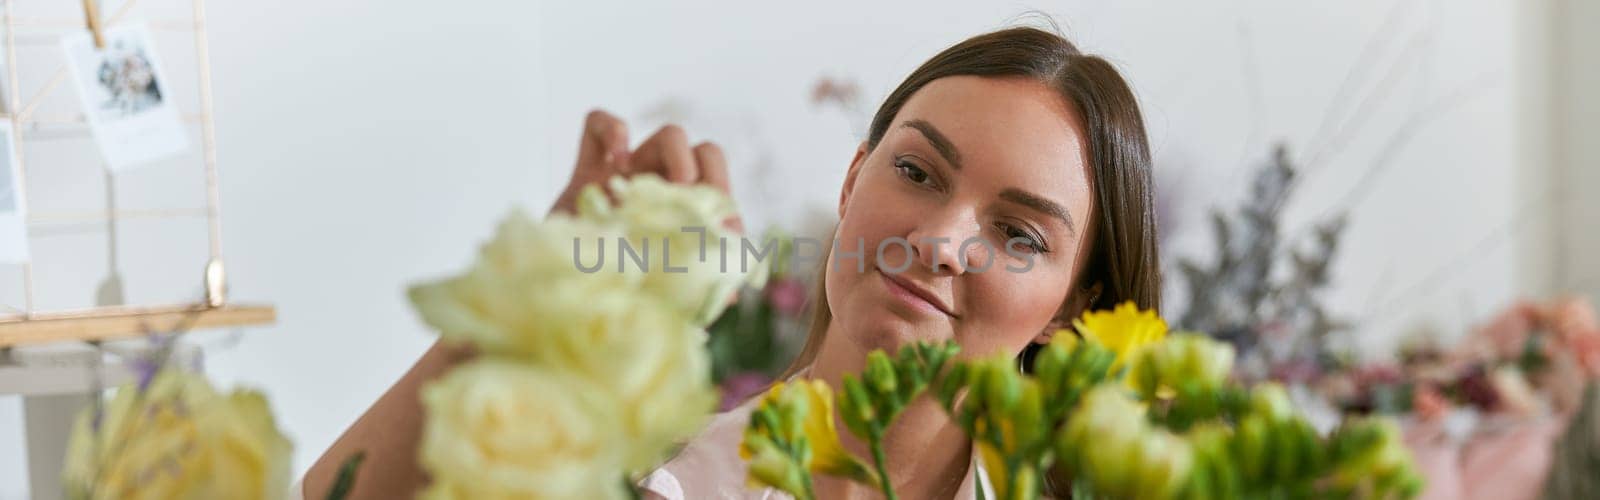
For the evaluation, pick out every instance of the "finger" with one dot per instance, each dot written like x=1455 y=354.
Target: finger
x=605 y=140
x=713 y=166
x=714 y=171
x=666 y=154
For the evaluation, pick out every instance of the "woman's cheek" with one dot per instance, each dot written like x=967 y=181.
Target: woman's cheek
x=1009 y=310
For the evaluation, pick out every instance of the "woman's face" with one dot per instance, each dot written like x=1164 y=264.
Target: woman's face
x=997 y=165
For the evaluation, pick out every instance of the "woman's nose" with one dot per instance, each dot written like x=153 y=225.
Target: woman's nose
x=949 y=243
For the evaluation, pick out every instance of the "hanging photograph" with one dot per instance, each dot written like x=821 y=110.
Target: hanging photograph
x=13 y=221
x=125 y=97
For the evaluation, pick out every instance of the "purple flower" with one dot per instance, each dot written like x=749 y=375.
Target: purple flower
x=787 y=295
x=739 y=387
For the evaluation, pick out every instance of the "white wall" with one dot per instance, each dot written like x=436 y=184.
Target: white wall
x=367 y=144
x=1576 y=113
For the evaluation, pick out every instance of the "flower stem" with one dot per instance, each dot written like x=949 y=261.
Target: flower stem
x=878 y=460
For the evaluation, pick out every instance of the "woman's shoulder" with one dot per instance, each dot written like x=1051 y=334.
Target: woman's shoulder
x=709 y=465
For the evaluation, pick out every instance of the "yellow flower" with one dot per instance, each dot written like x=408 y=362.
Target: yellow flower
x=178 y=439
x=828 y=456
x=697 y=269
x=501 y=429
x=1124 y=330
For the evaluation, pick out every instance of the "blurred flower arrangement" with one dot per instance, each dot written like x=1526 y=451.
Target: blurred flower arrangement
x=1121 y=408
x=754 y=340
x=170 y=434
x=1529 y=359
x=585 y=377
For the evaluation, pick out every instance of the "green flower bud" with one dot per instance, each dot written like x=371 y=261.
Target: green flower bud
x=1165 y=461
x=792 y=412
x=1028 y=417
x=769 y=466
x=1002 y=385
x=954 y=380
x=1271 y=401
x=855 y=406
x=1369 y=454
x=1050 y=365
x=1286 y=451
x=1145 y=370
x=1250 y=440
x=1105 y=435
x=1215 y=476
x=1027 y=484
x=880 y=373
x=766 y=418
x=1092 y=362
x=1207 y=360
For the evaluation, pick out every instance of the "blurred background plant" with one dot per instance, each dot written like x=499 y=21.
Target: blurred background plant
x=753 y=341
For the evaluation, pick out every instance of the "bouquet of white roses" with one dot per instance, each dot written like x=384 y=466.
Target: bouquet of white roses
x=587 y=372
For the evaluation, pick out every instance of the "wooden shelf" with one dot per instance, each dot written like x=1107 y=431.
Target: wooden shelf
x=123 y=322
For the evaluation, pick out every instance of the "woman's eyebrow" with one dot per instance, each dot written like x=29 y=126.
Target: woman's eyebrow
x=940 y=143
x=1037 y=202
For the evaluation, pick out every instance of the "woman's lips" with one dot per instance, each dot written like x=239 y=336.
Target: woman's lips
x=913 y=295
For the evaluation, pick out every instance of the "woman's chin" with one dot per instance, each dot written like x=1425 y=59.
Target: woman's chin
x=892 y=332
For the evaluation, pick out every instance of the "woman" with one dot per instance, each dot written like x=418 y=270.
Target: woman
x=1013 y=139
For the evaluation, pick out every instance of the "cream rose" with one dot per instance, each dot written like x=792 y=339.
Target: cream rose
x=641 y=352
x=496 y=304
x=698 y=269
x=501 y=429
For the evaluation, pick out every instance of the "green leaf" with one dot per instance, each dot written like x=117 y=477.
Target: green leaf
x=347 y=476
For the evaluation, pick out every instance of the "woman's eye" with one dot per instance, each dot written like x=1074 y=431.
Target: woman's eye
x=912 y=172
x=1018 y=236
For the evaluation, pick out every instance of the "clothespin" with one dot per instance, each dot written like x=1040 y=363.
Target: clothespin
x=92 y=13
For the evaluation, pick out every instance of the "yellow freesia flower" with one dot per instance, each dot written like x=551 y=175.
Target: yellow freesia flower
x=828 y=455
x=1124 y=330
x=827 y=452
x=814 y=399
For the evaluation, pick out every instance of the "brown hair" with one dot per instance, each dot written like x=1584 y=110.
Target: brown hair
x=1123 y=257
